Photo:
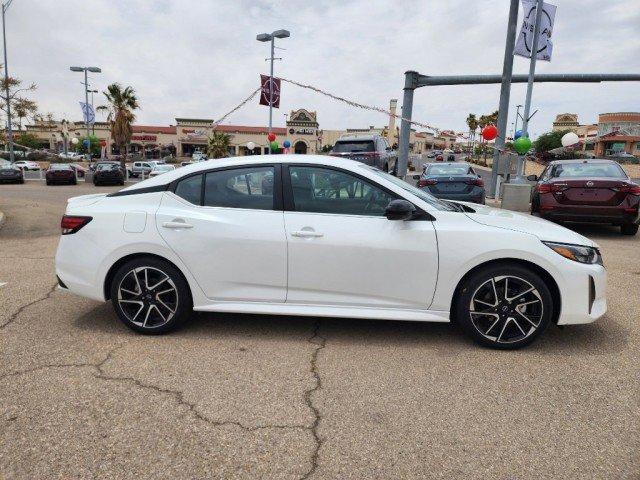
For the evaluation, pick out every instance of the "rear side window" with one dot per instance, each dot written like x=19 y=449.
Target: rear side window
x=190 y=189
x=354 y=146
x=240 y=188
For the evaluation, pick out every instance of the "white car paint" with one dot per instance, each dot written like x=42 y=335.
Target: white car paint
x=297 y=263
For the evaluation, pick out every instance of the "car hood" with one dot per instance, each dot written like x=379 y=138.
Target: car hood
x=525 y=223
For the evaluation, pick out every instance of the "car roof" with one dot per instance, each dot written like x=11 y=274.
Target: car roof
x=584 y=160
x=324 y=160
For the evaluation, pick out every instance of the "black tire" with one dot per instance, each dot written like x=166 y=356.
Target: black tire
x=629 y=228
x=159 y=316
x=535 y=204
x=386 y=167
x=48 y=182
x=501 y=326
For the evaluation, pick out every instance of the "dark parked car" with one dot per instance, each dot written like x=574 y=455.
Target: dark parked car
x=452 y=181
x=589 y=191
x=60 y=173
x=371 y=150
x=11 y=174
x=108 y=173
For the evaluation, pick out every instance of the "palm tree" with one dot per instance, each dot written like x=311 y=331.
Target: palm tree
x=218 y=145
x=122 y=103
x=472 y=123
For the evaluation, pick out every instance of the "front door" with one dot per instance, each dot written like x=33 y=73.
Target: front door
x=342 y=250
x=229 y=232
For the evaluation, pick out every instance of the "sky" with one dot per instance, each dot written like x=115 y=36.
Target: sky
x=199 y=59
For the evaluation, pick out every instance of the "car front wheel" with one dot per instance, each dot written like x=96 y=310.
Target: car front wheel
x=504 y=306
x=150 y=295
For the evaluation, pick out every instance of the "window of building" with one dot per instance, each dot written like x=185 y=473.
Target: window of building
x=240 y=188
x=323 y=190
x=190 y=189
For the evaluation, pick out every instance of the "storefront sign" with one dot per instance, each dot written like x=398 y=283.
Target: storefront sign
x=302 y=131
x=191 y=133
x=144 y=138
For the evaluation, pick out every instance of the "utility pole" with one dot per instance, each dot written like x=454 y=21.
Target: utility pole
x=270 y=37
x=12 y=157
x=505 y=92
x=86 y=100
x=527 y=102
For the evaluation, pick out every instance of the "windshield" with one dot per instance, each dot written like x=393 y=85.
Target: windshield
x=344 y=146
x=421 y=194
x=107 y=166
x=587 y=170
x=448 y=169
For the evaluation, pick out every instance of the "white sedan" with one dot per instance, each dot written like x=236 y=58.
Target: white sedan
x=321 y=236
x=160 y=169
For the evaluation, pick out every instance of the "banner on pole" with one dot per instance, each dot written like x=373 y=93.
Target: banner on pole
x=524 y=44
x=88 y=114
x=265 y=91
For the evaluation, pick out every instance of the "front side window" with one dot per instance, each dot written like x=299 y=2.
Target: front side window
x=323 y=190
x=240 y=188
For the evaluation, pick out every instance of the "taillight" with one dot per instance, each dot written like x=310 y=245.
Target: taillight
x=554 y=187
x=543 y=188
x=477 y=181
x=426 y=182
x=631 y=189
x=72 y=223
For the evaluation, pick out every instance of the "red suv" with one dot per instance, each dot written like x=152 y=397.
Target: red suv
x=587 y=191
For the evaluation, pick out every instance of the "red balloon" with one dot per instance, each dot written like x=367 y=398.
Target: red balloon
x=271 y=137
x=489 y=132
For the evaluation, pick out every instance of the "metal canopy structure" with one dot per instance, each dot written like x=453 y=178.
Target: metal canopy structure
x=413 y=80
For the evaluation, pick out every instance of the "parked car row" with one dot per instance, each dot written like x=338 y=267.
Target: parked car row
x=579 y=191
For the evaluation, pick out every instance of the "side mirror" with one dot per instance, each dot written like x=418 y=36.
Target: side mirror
x=399 y=210
x=532 y=178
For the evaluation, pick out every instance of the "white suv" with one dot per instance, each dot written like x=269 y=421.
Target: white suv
x=144 y=167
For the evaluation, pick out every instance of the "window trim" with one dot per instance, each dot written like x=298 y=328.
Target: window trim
x=277 y=184
x=289 y=205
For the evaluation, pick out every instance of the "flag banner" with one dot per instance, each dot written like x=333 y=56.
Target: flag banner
x=88 y=113
x=524 y=44
x=265 y=90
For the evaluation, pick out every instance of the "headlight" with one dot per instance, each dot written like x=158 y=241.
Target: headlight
x=577 y=253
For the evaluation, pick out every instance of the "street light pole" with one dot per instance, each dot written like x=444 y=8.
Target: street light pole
x=86 y=101
x=5 y=6
x=271 y=37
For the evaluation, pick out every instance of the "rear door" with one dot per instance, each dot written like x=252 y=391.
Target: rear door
x=227 y=226
x=343 y=251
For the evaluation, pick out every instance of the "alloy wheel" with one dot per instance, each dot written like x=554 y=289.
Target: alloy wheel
x=506 y=309
x=148 y=297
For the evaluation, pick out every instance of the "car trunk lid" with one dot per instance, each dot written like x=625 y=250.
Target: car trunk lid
x=588 y=191
x=456 y=184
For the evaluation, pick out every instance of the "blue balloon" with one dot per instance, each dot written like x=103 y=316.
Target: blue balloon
x=86 y=143
x=517 y=135
x=286 y=144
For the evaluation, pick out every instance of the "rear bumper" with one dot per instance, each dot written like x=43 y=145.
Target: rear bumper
x=614 y=215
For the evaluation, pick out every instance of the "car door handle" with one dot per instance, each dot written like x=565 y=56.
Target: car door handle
x=177 y=225
x=306 y=234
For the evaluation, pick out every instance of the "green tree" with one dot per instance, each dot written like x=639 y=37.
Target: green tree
x=18 y=102
x=218 y=145
x=94 y=145
x=472 y=123
x=27 y=140
x=549 y=141
x=122 y=103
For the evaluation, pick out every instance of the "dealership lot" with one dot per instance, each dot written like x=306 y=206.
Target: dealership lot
x=240 y=396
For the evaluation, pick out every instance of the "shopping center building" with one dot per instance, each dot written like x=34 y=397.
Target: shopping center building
x=191 y=134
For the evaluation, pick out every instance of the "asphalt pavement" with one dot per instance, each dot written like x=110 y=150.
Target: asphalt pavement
x=250 y=396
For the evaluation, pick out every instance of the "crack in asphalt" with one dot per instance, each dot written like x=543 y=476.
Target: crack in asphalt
x=315 y=339
x=22 y=308
x=320 y=342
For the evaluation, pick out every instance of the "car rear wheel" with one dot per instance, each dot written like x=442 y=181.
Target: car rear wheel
x=150 y=296
x=504 y=306
x=629 y=229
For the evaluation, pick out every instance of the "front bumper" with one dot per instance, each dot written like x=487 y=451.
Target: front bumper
x=583 y=294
